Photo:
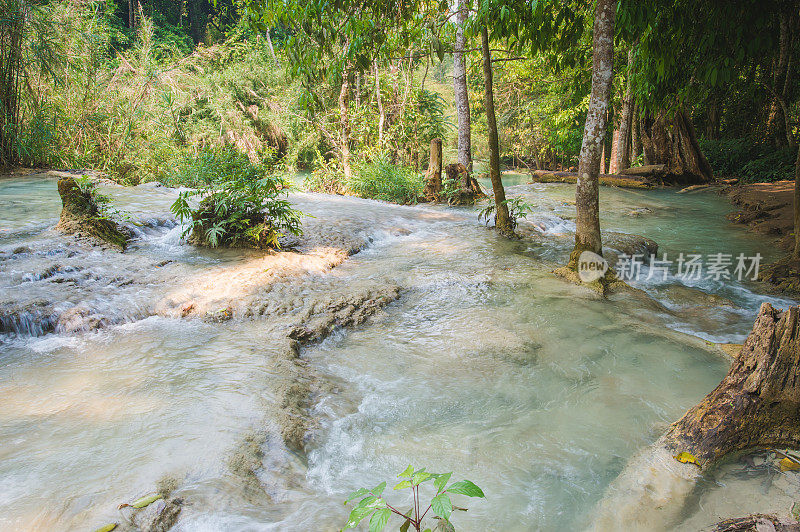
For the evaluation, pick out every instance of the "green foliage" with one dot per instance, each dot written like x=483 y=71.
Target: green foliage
x=240 y=207
x=386 y=181
x=375 y=506
x=749 y=160
x=378 y=179
x=517 y=208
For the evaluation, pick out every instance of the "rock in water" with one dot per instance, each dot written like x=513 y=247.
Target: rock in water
x=81 y=216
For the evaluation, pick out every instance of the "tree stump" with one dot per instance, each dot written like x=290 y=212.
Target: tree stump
x=466 y=188
x=81 y=216
x=757 y=404
x=433 y=178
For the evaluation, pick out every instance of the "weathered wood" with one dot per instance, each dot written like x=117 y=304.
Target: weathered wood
x=757 y=404
x=81 y=216
x=433 y=178
x=649 y=170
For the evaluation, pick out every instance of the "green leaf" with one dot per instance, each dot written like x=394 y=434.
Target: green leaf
x=420 y=476
x=465 y=487
x=441 y=481
x=378 y=490
x=357 y=515
x=356 y=494
x=146 y=500
x=404 y=526
x=403 y=485
x=442 y=506
x=407 y=473
x=379 y=519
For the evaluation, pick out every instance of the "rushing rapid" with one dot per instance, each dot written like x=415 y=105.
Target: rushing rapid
x=121 y=370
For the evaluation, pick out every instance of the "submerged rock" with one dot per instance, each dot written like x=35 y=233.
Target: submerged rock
x=629 y=245
x=81 y=216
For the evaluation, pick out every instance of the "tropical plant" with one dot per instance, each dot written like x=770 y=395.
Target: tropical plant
x=374 y=506
x=241 y=207
x=517 y=208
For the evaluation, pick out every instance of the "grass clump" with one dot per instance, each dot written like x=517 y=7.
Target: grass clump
x=379 y=179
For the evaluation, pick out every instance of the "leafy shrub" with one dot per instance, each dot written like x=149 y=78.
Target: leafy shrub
x=240 y=206
x=386 y=181
x=517 y=208
x=374 y=506
x=327 y=178
x=749 y=160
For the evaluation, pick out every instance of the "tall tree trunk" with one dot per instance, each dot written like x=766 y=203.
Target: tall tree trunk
x=197 y=20
x=271 y=49
x=131 y=14
x=796 y=253
x=623 y=142
x=636 y=143
x=502 y=218
x=344 y=125
x=587 y=196
x=379 y=98
x=613 y=160
x=460 y=87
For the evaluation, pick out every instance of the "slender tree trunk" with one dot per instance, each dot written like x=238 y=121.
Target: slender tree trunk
x=502 y=218
x=381 y=112
x=636 y=142
x=344 y=125
x=797 y=206
x=460 y=87
x=271 y=49
x=131 y=15
x=613 y=160
x=623 y=142
x=587 y=196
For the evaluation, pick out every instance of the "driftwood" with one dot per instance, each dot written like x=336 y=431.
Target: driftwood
x=433 y=178
x=81 y=216
x=648 y=170
x=757 y=404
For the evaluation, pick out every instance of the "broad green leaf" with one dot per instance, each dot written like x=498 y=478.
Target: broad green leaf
x=379 y=519
x=465 y=487
x=420 y=476
x=403 y=485
x=367 y=501
x=407 y=473
x=356 y=494
x=377 y=490
x=357 y=515
x=441 y=481
x=442 y=506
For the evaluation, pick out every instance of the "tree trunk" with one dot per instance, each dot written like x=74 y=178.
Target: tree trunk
x=636 y=144
x=131 y=14
x=796 y=253
x=672 y=142
x=613 y=160
x=433 y=179
x=460 y=87
x=624 y=140
x=197 y=20
x=587 y=199
x=381 y=112
x=344 y=126
x=502 y=218
x=757 y=404
x=272 y=50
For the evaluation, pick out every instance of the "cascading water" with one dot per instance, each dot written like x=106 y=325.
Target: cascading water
x=486 y=365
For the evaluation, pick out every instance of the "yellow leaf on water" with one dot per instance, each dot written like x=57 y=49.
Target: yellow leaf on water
x=107 y=528
x=687 y=458
x=788 y=464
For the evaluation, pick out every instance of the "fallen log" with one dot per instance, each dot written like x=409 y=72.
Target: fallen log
x=755 y=406
x=647 y=170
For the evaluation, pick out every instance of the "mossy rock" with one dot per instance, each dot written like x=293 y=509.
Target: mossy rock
x=81 y=216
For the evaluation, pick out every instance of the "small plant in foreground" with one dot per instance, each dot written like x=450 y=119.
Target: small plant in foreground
x=374 y=506
x=517 y=208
